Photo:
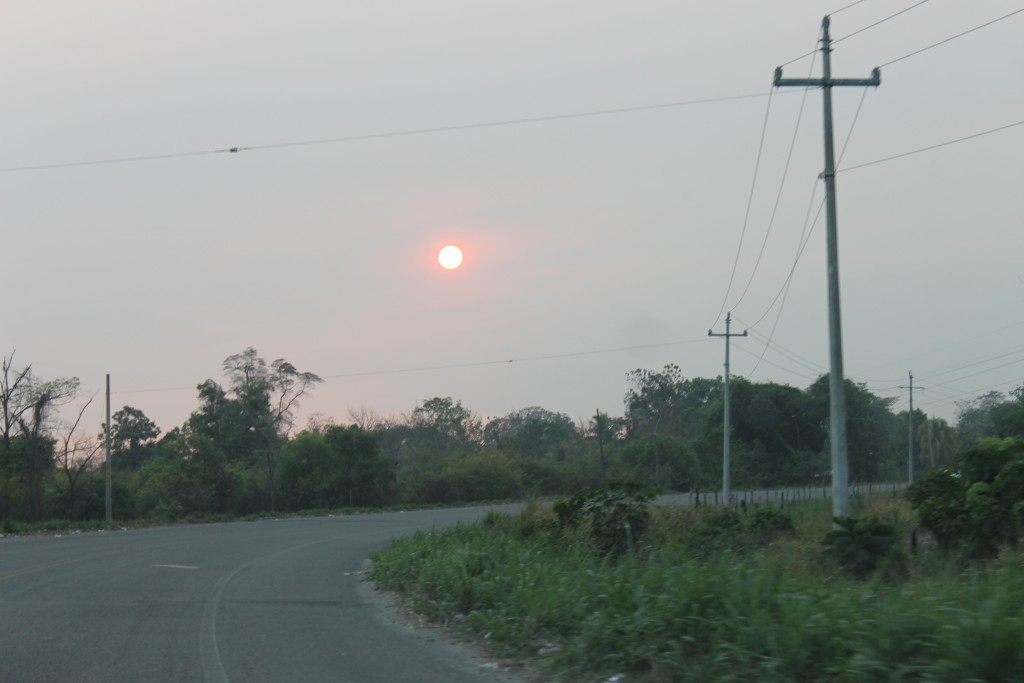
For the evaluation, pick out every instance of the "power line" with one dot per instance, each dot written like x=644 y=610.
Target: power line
x=942 y=42
x=981 y=372
x=746 y=214
x=784 y=292
x=841 y=9
x=880 y=21
x=776 y=365
x=778 y=196
x=931 y=378
x=964 y=340
x=953 y=400
x=783 y=351
x=931 y=147
x=388 y=134
x=860 y=30
x=456 y=366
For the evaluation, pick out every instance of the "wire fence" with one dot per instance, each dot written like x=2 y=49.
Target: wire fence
x=779 y=497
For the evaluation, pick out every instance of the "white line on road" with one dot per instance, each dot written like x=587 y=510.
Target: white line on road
x=174 y=566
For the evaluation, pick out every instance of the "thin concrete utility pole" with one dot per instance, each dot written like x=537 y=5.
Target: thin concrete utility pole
x=725 y=417
x=910 y=430
x=837 y=383
x=106 y=438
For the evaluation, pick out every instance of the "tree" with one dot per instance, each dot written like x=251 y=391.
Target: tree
x=937 y=442
x=531 y=432
x=977 y=418
x=132 y=438
x=75 y=455
x=368 y=419
x=664 y=402
x=1009 y=420
x=367 y=478
x=448 y=419
x=871 y=430
x=661 y=460
x=35 y=414
x=980 y=504
x=778 y=433
x=15 y=390
x=190 y=476
x=252 y=422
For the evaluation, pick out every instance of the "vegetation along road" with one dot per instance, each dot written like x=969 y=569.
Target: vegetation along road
x=273 y=600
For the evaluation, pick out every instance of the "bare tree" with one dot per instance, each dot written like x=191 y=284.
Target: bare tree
x=31 y=406
x=318 y=423
x=289 y=386
x=75 y=454
x=368 y=419
x=14 y=390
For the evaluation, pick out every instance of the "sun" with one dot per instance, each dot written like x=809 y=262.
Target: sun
x=450 y=257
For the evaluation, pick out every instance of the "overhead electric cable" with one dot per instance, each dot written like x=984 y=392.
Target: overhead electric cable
x=931 y=378
x=428 y=368
x=993 y=387
x=860 y=30
x=775 y=365
x=930 y=147
x=526 y=359
x=746 y=214
x=800 y=251
x=389 y=134
x=786 y=353
x=880 y=21
x=778 y=196
x=942 y=42
x=852 y=4
x=805 y=234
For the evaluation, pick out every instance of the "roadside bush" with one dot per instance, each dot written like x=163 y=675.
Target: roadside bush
x=615 y=516
x=979 y=506
x=711 y=530
x=769 y=522
x=533 y=520
x=729 y=618
x=706 y=531
x=862 y=545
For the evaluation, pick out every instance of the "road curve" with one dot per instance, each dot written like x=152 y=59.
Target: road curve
x=267 y=601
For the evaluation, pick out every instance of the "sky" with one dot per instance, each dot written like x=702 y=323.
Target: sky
x=644 y=180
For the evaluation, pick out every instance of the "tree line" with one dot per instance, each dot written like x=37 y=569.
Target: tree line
x=240 y=452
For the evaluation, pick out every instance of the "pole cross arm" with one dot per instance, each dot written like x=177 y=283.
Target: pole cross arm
x=874 y=81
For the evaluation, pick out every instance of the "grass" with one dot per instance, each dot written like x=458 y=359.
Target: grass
x=704 y=598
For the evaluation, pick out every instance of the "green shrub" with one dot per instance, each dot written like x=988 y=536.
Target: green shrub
x=615 y=516
x=938 y=500
x=768 y=522
x=861 y=545
x=979 y=506
x=533 y=520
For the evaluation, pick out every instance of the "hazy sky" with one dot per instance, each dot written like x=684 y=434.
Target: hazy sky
x=593 y=245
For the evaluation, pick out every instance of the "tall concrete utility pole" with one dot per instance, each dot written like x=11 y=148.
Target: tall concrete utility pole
x=725 y=417
x=837 y=383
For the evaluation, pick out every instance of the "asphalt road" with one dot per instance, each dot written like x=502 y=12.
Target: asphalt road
x=273 y=600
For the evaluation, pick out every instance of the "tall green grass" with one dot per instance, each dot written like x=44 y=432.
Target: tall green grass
x=744 y=608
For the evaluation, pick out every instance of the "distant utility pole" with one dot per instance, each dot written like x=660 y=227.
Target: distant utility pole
x=910 y=429
x=599 y=420
x=837 y=383
x=106 y=438
x=725 y=417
